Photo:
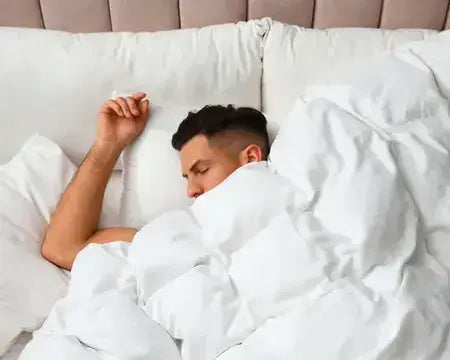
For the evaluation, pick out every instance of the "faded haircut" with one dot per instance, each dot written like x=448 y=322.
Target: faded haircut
x=226 y=127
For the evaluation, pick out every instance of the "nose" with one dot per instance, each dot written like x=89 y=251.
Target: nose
x=194 y=189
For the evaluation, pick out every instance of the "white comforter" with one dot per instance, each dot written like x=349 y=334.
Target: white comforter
x=344 y=257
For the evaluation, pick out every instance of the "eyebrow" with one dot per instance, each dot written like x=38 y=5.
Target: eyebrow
x=194 y=165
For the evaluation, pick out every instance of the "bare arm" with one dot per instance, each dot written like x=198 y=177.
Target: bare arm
x=74 y=223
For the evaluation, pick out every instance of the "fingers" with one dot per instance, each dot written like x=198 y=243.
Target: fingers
x=139 y=96
x=132 y=106
x=144 y=107
x=129 y=107
x=111 y=104
x=124 y=106
x=145 y=110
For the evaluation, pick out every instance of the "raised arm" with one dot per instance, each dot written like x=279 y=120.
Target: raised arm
x=74 y=223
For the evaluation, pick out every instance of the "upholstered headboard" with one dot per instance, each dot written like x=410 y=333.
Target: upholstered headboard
x=151 y=15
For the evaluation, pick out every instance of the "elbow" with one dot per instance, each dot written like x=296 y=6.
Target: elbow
x=47 y=251
x=56 y=255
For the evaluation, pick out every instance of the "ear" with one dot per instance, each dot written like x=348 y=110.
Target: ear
x=251 y=153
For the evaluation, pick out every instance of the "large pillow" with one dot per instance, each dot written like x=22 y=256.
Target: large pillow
x=432 y=54
x=152 y=179
x=295 y=58
x=66 y=77
x=30 y=187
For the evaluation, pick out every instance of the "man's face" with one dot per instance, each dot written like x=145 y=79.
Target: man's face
x=205 y=166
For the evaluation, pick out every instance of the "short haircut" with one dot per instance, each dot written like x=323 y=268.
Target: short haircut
x=226 y=122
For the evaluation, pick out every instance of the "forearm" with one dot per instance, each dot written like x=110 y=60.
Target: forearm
x=74 y=223
x=77 y=215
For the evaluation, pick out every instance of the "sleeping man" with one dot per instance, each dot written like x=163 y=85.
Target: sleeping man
x=213 y=143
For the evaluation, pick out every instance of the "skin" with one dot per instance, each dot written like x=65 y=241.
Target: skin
x=205 y=165
x=74 y=224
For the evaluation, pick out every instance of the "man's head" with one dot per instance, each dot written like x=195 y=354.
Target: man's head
x=217 y=140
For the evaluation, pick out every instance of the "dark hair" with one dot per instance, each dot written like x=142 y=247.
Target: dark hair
x=213 y=120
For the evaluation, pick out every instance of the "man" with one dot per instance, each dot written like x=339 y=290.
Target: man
x=213 y=143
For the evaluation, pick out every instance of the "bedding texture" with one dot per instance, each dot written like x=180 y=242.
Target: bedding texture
x=29 y=285
x=336 y=249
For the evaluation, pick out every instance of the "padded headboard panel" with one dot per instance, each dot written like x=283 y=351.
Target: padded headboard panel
x=152 y=15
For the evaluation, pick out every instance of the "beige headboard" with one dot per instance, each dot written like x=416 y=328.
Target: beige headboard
x=151 y=15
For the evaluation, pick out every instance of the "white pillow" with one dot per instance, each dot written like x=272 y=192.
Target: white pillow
x=390 y=91
x=30 y=187
x=71 y=75
x=152 y=179
x=431 y=53
x=295 y=58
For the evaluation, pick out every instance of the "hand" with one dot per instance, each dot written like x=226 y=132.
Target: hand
x=121 y=120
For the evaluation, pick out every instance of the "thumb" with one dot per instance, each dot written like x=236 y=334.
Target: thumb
x=144 y=109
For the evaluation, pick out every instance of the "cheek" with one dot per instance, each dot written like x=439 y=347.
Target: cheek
x=215 y=176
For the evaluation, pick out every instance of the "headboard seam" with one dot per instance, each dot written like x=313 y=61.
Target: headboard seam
x=42 y=13
x=381 y=13
x=447 y=16
x=179 y=13
x=313 y=16
x=109 y=13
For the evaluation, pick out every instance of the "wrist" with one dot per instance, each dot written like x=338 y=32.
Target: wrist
x=105 y=146
x=104 y=151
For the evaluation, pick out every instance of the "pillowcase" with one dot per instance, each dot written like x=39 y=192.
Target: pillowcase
x=220 y=63
x=295 y=58
x=30 y=187
x=431 y=52
x=393 y=90
x=152 y=179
